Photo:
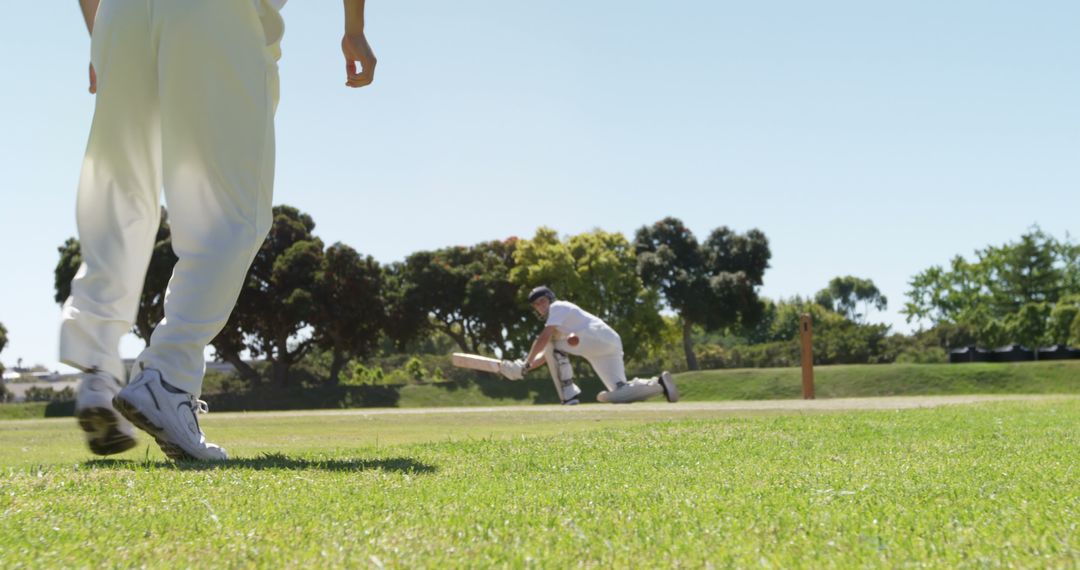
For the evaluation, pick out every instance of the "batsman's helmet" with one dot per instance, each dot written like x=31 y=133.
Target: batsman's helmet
x=540 y=292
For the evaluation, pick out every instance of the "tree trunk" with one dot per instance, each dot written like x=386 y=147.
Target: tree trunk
x=336 y=364
x=280 y=371
x=458 y=338
x=688 y=345
x=280 y=367
x=242 y=368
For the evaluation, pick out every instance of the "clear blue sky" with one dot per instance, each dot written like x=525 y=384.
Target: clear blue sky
x=865 y=138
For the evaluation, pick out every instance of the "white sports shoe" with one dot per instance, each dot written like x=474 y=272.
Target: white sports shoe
x=107 y=432
x=171 y=416
x=668 y=384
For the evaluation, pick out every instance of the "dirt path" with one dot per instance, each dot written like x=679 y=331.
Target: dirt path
x=837 y=404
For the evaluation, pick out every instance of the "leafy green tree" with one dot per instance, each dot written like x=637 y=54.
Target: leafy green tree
x=1024 y=272
x=277 y=301
x=462 y=292
x=712 y=284
x=349 y=306
x=596 y=270
x=774 y=340
x=1028 y=326
x=47 y=394
x=66 y=268
x=3 y=343
x=1008 y=293
x=1067 y=254
x=1064 y=321
x=844 y=294
x=159 y=271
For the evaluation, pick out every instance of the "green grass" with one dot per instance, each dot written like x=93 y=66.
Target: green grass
x=22 y=411
x=871 y=380
x=847 y=381
x=982 y=486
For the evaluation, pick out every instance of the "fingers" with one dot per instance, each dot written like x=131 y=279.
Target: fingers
x=365 y=76
x=93 y=79
x=359 y=60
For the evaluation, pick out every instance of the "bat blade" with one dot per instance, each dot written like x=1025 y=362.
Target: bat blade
x=475 y=362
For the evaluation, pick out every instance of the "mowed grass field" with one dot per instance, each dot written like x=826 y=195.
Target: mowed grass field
x=843 y=381
x=840 y=381
x=982 y=485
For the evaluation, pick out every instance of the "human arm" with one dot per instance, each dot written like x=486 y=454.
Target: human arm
x=538 y=346
x=355 y=47
x=89 y=12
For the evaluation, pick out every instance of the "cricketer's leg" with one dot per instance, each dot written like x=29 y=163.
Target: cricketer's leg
x=218 y=91
x=117 y=211
x=117 y=207
x=636 y=390
x=562 y=374
x=602 y=347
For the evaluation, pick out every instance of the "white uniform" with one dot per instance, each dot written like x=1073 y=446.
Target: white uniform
x=599 y=343
x=601 y=346
x=187 y=91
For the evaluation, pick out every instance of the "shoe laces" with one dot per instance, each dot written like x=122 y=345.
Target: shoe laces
x=198 y=407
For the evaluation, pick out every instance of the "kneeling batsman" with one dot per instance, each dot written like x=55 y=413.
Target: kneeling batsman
x=570 y=330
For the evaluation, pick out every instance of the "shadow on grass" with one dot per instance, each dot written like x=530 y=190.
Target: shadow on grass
x=273 y=461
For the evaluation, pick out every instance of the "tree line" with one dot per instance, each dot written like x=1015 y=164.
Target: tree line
x=1026 y=291
x=300 y=295
x=3 y=343
x=678 y=302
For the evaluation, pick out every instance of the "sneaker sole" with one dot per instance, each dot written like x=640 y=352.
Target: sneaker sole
x=171 y=450
x=102 y=428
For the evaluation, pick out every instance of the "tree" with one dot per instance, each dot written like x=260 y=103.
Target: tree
x=463 y=292
x=712 y=285
x=158 y=274
x=774 y=340
x=151 y=300
x=1063 y=326
x=596 y=270
x=3 y=343
x=1028 y=325
x=1023 y=272
x=844 y=294
x=277 y=301
x=349 y=306
x=66 y=268
x=1008 y=293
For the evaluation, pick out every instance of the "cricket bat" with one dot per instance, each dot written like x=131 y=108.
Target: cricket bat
x=475 y=362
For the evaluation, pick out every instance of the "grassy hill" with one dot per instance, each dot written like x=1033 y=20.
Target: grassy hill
x=850 y=381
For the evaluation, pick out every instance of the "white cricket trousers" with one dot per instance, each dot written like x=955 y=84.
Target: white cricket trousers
x=187 y=91
x=602 y=347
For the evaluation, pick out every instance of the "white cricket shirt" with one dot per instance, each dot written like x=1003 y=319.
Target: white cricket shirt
x=569 y=318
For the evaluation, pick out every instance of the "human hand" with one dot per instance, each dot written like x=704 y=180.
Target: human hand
x=356 y=49
x=512 y=370
x=93 y=79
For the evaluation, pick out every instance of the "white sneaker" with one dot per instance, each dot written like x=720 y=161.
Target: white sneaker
x=668 y=384
x=171 y=416
x=107 y=432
